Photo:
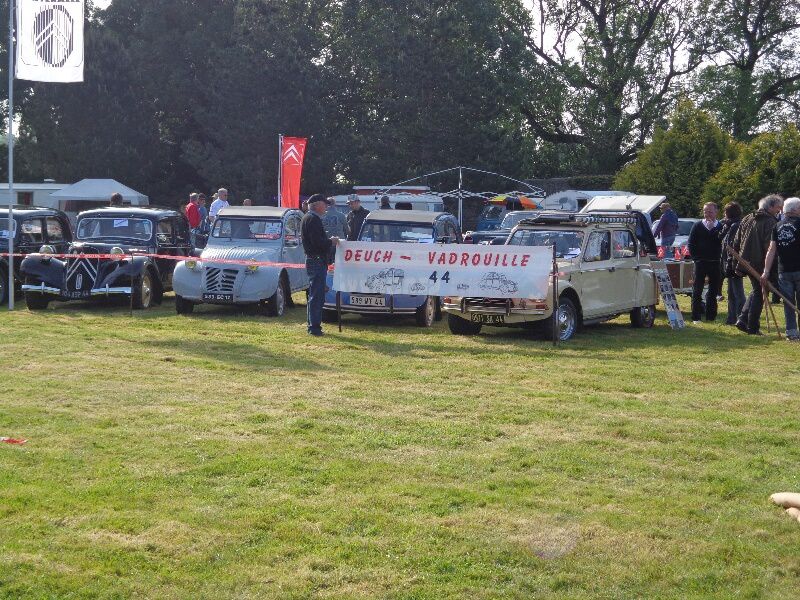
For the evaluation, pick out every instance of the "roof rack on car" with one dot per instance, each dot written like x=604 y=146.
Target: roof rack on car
x=581 y=218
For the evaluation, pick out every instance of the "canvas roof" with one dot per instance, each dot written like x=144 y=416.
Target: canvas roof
x=98 y=189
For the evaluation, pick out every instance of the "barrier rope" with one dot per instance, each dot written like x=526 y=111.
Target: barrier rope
x=226 y=261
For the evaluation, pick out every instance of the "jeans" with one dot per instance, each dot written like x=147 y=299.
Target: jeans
x=735 y=298
x=317 y=272
x=703 y=269
x=789 y=284
x=751 y=311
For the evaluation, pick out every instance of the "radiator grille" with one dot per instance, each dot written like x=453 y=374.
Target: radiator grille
x=220 y=280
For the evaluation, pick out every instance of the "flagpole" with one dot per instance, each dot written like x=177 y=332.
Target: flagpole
x=280 y=167
x=10 y=155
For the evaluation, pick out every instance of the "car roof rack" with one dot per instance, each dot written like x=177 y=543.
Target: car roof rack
x=582 y=219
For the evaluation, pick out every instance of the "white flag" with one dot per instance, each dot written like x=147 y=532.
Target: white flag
x=50 y=40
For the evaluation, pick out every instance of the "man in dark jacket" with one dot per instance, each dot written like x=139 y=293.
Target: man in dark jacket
x=752 y=241
x=704 y=247
x=785 y=245
x=355 y=218
x=318 y=248
x=667 y=227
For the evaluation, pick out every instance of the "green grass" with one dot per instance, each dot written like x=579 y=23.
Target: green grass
x=232 y=456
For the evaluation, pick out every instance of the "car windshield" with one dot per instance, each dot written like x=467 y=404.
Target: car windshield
x=685 y=226
x=93 y=228
x=568 y=243
x=260 y=230
x=416 y=233
x=513 y=218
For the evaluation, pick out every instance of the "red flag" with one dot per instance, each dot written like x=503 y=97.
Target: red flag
x=293 y=151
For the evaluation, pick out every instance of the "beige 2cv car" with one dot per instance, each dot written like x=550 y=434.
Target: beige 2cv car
x=604 y=270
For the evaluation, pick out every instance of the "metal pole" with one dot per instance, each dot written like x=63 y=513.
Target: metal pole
x=555 y=298
x=460 y=198
x=11 y=155
x=280 y=167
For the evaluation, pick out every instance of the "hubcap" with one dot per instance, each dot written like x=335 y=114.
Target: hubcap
x=147 y=291
x=566 y=322
x=430 y=310
x=280 y=301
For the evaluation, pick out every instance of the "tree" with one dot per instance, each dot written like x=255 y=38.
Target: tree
x=755 y=78
x=770 y=163
x=680 y=160
x=607 y=70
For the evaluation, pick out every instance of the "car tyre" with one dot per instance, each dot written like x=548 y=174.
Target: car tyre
x=183 y=306
x=36 y=301
x=643 y=316
x=276 y=304
x=567 y=321
x=459 y=326
x=426 y=314
x=144 y=292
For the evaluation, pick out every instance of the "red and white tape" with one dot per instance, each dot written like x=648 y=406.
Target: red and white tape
x=226 y=261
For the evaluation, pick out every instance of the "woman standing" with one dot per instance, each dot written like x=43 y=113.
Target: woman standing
x=736 y=297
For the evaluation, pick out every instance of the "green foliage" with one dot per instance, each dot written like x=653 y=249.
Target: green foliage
x=679 y=161
x=768 y=164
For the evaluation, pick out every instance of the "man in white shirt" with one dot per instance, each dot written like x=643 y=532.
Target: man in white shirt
x=218 y=204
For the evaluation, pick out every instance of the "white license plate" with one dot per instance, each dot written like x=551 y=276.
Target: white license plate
x=488 y=319
x=356 y=300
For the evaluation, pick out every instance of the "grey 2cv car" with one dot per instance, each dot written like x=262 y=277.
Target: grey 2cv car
x=246 y=233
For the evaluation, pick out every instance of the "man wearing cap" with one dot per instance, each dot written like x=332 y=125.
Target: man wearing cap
x=355 y=218
x=667 y=227
x=317 y=246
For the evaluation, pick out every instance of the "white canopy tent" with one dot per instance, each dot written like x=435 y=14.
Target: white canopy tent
x=93 y=193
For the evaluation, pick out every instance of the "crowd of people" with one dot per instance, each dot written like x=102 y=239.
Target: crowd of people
x=766 y=240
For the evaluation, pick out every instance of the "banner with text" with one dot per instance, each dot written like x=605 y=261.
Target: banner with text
x=50 y=40
x=443 y=270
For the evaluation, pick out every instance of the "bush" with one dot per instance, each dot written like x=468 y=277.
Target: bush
x=770 y=163
x=679 y=161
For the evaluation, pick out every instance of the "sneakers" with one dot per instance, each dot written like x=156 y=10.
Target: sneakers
x=741 y=326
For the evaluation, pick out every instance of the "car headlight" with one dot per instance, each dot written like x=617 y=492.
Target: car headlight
x=192 y=264
x=251 y=268
x=47 y=249
x=117 y=253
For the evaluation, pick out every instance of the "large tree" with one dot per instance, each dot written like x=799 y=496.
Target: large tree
x=755 y=76
x=607 y=71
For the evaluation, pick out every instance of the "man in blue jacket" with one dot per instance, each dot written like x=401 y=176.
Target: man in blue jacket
x=667 y=227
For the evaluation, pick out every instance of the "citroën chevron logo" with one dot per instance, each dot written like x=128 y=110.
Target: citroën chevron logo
x=53 y=35
x=291 y=154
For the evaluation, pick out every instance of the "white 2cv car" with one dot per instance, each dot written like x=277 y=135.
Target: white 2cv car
x=247 y=234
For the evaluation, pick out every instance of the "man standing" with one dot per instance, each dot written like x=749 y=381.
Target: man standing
x=317 y=246
x=116 y=199
x=385 y=202
x=218 y=204
x=704 y=247
x=192 y=213
x=333 y=221
x=201 y=208
x=247 y=202
x=355 y=218
x=667 y=227
x=752 y=241
x=786 y=244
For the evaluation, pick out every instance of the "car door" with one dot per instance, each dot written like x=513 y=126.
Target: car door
x=31 y=235
x=293 y=251
x=625 y=272
x=596 y=268
x=183 y=240
x=58 y=234
x=165 y=246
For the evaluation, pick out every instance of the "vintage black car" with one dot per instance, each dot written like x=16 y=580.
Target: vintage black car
x=124 y=234
x=33 y=228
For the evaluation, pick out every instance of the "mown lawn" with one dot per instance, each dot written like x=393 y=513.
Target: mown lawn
x=231 y=456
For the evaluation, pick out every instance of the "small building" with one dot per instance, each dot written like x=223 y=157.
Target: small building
x=31 y=194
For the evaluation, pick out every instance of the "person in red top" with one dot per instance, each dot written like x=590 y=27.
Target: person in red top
x=193 y=212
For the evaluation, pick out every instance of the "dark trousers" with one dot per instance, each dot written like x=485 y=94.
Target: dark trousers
x=317 y=270
x=751 y=311
x=712 y=270
x=735 y=298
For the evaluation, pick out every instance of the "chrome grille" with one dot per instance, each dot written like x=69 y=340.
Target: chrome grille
x=220 y=280
x=82 y=272
x=488 y=302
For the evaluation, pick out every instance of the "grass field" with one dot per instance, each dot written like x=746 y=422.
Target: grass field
x=232 y=456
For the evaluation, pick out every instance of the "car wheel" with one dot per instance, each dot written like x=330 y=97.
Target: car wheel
x=426 y=314
x=566 y=321
x=144 y=293
x=35 y=300
x=460 y=326
x=643 y=316
x=183 y=306
x=276 y=304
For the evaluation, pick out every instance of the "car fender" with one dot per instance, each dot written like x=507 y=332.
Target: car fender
x=187 y=282
x=41 y=269
x=261 y=284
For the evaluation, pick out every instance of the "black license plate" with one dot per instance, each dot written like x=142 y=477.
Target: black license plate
x=218 y=297
x=488 y=319
x=77 y=295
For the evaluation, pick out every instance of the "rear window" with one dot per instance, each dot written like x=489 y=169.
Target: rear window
x=397 y=232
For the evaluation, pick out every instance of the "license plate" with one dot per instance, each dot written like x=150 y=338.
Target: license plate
x=218 y=297
x=76 y=295
x=356 y=300
x=488 y=319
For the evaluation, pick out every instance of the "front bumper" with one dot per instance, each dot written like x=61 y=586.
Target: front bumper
x=511 y=314
x=104 y=291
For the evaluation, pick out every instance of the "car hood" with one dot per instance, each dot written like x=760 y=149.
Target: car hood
x=241 y=253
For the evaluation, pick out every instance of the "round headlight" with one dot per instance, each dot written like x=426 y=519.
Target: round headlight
x=252 y=268
x=117 y=253
x=191 y=264
x=47 y=249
